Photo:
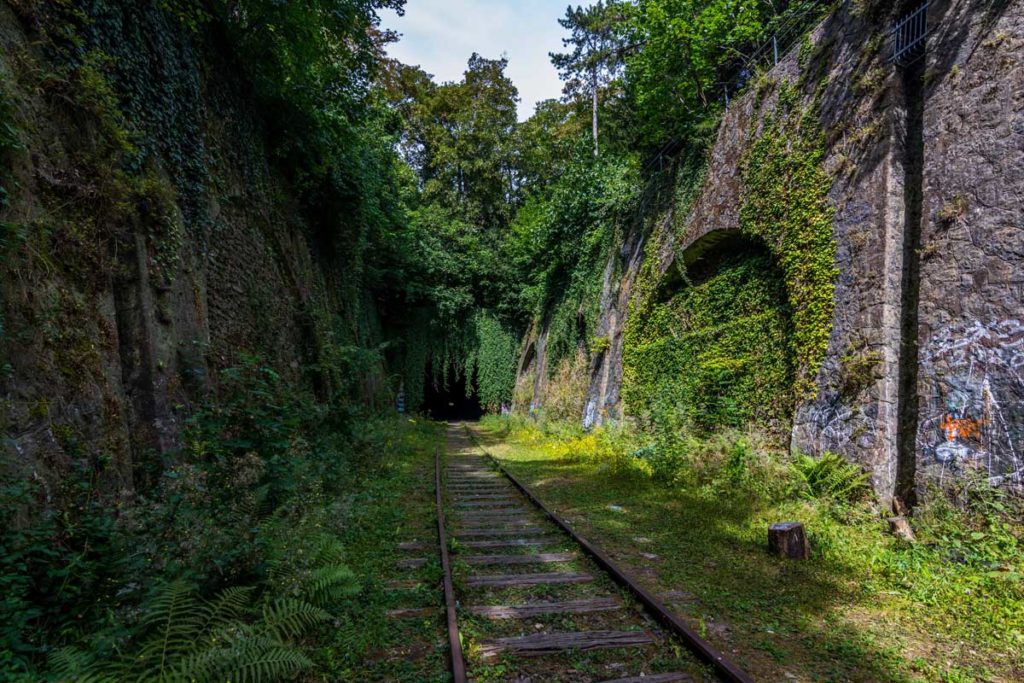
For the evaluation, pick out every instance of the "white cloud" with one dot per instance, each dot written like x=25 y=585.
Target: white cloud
x=440 y=35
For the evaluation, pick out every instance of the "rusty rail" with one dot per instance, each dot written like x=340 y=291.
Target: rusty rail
x=725 y=668
x=458 y=664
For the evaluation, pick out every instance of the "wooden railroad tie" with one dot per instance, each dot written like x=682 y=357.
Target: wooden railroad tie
x=673 y=677
x=540 y=644
x=521 y=531
x=411 y=563
x=509 y=543
x=500 y=512
x=540 y=608
x=502 y=580
x=540 y=558
x=413 y=613
x=415 y=545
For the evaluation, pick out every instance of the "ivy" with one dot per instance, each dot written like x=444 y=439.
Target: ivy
x=715 y=353
x=786 y=206
x=495 y=362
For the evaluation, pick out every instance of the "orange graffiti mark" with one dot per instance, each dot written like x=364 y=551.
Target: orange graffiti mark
x=960 y=427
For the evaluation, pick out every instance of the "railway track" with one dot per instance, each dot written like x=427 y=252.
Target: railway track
x=528 y=599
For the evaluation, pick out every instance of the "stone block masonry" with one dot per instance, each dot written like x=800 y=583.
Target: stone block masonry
x=923 y=376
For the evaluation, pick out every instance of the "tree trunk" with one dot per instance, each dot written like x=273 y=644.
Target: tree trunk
x=593 y=90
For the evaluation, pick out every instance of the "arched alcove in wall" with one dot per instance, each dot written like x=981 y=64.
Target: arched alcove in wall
x=715 y=349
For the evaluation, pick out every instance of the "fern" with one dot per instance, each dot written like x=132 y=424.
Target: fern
x=287 y=618
x=190 y=640
x=309 y=566
x=271 y=665
x=833 y=477
x=331 y=583
x=74 y=664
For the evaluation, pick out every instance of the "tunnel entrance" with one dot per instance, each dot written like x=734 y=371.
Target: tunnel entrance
x=449 y=401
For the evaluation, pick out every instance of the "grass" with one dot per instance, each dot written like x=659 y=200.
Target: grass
x=393 y=504
x=866 y=607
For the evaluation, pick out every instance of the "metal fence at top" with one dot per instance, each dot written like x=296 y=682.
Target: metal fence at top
x=783 y=39
x=908 y=36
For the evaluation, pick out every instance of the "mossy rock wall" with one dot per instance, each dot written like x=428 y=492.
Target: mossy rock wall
x=149 y=236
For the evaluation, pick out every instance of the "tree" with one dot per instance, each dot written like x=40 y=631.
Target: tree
x=687 y=49
x=459 y=138
x=596 y=56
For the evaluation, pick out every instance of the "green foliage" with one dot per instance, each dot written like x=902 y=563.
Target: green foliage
x=56 y=567
x=561 y=240
x=960 y=582
x=786 y=206
x=10 y=137
x=185 y=638
x=243 y=528
x=688 y=47
x=832 y=476
x=715 y=354
x=495 y=362
x=596 y=56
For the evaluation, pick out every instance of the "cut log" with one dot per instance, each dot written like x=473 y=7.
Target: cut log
x=540 y=644
x=539 y=608
x=502 y=580
x=900 y=528
x=540 y=558
x=787 y=539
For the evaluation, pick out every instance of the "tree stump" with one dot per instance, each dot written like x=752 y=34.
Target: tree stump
x=787 y=539
x=901 y=529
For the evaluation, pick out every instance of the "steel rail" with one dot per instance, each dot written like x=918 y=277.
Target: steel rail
x=458 y=664
x=704 y=650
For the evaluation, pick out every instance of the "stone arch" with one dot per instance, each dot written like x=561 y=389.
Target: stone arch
x=719 y=346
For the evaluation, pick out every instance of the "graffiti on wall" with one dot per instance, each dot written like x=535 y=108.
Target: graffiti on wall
x=972 y=392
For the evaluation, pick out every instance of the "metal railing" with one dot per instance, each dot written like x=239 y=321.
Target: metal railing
x=783 y=39
x=908 y=34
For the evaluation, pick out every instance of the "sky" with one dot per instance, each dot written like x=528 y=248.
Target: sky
x=440 y=35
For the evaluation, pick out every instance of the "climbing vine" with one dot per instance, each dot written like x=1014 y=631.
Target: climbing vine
x=495 y=362
x=739 y=338
x=786 y=206
x=716 y=353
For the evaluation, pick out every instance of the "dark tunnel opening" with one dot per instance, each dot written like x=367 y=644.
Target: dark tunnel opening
x=449 y=400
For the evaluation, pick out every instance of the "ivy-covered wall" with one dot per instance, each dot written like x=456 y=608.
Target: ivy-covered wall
x=153 y=230
x=813 y=168
x=717 y=351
